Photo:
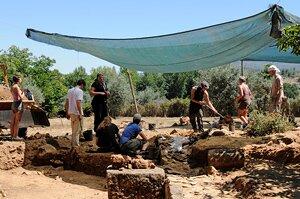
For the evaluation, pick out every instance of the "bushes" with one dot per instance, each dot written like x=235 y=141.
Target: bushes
x=295 y=106
x=268 y=123
x=178 y=107
x=153 y=110
x=169 y=108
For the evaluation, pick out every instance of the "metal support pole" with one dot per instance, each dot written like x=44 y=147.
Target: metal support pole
x=242 y=68
x=132 y=91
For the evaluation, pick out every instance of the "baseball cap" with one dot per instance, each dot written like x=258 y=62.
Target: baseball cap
x=137 y=117
x=204 y=84
x=243 y=78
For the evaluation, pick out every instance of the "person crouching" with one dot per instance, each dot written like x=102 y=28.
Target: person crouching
x=130 y=144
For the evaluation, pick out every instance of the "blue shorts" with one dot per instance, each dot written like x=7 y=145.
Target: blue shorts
x=17 y=106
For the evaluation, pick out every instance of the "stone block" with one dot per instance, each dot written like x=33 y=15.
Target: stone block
x=174 y=191
x=136 y=183
x=226 y=158
x=11 y=155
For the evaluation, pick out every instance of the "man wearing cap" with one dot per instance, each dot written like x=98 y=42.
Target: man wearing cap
x=243 y=100
x=199 y=98
x=130 y=145
x=277 y=89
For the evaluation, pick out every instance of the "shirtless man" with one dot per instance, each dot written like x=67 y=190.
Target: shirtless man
x=277 y=89
x=243 y=100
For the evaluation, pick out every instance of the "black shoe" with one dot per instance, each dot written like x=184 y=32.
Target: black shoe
x=244 y=126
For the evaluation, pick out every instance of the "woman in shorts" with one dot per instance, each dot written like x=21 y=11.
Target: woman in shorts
x=16 y=107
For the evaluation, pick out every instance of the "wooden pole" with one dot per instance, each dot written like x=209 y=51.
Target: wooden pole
x=3 y=66
x=132 y=91
x=242 y=68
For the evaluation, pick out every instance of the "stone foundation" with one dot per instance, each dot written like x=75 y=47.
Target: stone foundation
x=136 y=183
x=11 y=154
x=226 y=158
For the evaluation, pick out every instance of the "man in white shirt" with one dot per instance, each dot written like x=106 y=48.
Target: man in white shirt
x=74 y=110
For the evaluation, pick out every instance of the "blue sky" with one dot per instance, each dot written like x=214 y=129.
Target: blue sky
x=115 y=19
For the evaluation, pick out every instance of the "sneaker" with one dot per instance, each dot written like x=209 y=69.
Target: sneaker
x=17 y=139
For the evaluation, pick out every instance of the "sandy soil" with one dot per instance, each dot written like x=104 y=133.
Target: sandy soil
x=46 y=182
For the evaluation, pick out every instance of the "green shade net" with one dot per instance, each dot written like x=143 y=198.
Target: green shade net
x=245 y=39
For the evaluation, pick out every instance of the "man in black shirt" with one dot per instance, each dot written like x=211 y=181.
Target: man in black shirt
x=199 y=98
x=100 y=92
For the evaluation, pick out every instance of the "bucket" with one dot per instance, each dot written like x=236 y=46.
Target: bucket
x=152 y=126
x=231 y=126
x=22 y=133
x=88 y=135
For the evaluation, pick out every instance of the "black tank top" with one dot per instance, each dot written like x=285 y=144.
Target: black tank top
x=198 y=96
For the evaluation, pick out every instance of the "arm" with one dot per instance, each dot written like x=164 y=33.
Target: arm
x=93 y=92
x=280 y=91
x=20 y=93
x=78 y=105
x=241 y=95
x=67 y=108
x=145 y=146
x=208 y=102
x=192 y=97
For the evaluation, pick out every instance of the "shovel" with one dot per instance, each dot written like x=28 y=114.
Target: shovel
x=216 y=112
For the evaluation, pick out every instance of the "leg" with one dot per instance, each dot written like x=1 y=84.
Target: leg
x=75 y=124
x=240 y=114
x=103 y=111
x=18 y=116
x=192 y=117
x=96 y=110
x=12 y=124
x=199 y=120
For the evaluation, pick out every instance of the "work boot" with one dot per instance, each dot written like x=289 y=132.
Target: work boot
x=201 y=130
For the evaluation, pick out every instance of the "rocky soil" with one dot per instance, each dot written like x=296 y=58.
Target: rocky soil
x=271 y=165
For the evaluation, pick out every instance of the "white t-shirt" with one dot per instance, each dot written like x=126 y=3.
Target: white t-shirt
x=74 y=94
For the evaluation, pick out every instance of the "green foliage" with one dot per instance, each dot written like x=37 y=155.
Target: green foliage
x=178 y=85
x=178 y=107
x=152 y=110
x=267 y=123
x=149 y=95
x=295 y=106
x=156 y=81
x=223 y=87
x=265 y=72
x=130 y=110
x=288 y=72
x=72 y=78
x=34 y=89
x=260 y=87
x=120 y=96
x=290 y=90
x=18 y=61
x=290 y=39
x=165 y=106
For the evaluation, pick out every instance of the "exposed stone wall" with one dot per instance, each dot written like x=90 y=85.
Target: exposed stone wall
x=136 y=183
x=11 y=154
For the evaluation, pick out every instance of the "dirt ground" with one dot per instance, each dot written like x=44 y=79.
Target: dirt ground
x=272 y=179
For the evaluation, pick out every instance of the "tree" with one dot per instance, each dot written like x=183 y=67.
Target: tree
x=223 y=87
x=73 y=77
x=178 y=84
x=290 y=39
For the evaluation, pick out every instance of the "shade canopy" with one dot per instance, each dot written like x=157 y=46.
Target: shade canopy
x=253 y=39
